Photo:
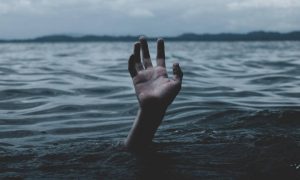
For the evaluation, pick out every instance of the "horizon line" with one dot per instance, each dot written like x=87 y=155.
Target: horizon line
x=121 y=35
x=259 y=34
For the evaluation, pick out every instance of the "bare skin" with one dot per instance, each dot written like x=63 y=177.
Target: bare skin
x=154 y=91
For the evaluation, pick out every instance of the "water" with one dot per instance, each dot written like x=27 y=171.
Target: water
x=65 y=108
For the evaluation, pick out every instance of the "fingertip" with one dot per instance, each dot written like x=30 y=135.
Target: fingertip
x=131 y=59
x=137 y=44
x=160 y=45
x=137 y=47
x=160 y=40
x=142 y=38
x=177 y=70
x=176 y=66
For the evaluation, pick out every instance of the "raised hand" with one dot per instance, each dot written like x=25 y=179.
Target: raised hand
x=154 y=90
x=152 y=85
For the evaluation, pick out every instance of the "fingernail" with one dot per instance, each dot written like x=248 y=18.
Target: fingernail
x=160 y=40
x=142 y=38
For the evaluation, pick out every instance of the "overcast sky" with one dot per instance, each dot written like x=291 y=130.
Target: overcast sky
x=31 y=18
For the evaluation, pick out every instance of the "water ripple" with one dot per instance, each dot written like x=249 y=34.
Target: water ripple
x=236 y=99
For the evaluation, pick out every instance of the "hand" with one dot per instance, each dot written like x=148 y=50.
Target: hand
x=154 y=90
x=152 y=86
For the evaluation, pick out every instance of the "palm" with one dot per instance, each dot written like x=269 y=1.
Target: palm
x=152 y=85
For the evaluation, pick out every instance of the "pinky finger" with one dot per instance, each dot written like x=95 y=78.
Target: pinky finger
x=131 y=66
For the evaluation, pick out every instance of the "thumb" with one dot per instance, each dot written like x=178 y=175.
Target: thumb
x=177 y=73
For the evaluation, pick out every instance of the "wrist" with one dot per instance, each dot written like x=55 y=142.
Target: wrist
x=154 y=111
x=144 y=127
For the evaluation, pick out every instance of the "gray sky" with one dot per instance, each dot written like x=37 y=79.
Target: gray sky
x=31 y=18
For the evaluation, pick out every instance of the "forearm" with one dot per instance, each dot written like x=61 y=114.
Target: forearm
x=144 y=127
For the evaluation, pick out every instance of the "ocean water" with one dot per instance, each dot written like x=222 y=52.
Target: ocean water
x=65 y=108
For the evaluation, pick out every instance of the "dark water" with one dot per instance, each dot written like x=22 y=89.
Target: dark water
x=65 y=108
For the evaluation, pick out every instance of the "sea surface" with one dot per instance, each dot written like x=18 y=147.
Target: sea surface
x=65 y=109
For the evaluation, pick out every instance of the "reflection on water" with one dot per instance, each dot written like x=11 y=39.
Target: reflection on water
x=65 y=108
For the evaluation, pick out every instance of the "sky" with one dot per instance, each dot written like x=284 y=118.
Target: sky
x=32 y=18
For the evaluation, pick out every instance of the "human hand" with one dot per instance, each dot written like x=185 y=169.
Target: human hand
x=153 y=88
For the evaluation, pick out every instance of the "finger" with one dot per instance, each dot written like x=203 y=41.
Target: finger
x=145 y=51
x=160 y=59
x=177 y=72
x=131 y=66
x=137 y=56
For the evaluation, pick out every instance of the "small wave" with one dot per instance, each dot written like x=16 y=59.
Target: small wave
x=31 y=92
x=274 y=79
x=62 y=55
x=16 y=134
